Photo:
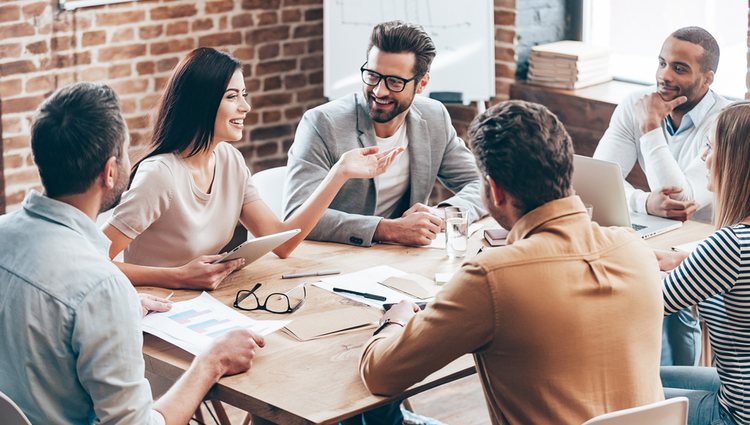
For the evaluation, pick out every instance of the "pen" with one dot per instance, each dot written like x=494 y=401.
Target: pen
x=169 y=296
x=308 y=274
x=361 y=294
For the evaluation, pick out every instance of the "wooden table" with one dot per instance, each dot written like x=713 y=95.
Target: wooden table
x=311 y=382
x=317 y=382
x=689 y=232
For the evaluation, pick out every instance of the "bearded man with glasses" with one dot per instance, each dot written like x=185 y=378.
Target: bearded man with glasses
x=388 y=113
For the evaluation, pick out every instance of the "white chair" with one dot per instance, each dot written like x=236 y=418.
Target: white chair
x=103 y=218
x=10 y=413
x=270 y=185
x=673 y=411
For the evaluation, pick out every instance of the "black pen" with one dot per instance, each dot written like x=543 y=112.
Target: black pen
x=361 y=294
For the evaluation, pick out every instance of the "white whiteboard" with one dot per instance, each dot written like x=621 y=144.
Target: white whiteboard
x=463 y=33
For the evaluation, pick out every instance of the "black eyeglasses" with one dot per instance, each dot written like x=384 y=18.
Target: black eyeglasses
x=277 y=302
x=392 y=82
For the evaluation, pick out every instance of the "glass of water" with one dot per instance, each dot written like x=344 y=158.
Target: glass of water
x=456 y=231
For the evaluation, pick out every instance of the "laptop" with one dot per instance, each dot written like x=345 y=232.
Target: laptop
x=600 y=184
x=258 y=247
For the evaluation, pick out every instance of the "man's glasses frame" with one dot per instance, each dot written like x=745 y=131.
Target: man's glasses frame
x=390 y=80
x=242 y=294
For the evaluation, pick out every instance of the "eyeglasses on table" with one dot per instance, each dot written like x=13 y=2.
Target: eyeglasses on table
x=277 y=302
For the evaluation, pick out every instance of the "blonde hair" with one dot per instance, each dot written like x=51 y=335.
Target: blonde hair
x=731 y=165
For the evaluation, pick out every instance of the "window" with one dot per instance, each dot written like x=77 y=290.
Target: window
x=635 y=30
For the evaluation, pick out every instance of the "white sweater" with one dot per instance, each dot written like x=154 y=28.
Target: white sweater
x=667 y=160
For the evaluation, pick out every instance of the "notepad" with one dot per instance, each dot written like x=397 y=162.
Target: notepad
x=687 y=247
x=332 y=322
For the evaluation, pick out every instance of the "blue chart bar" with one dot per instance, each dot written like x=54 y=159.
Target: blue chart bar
x=202 y=327
x=223 y=331
x=187 y=315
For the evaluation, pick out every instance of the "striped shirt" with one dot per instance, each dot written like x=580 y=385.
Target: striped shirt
x=716 y=277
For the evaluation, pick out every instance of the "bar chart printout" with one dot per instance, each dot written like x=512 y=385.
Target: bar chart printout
x=193 y=324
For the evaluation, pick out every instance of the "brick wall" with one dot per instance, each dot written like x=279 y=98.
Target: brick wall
x=134 y=46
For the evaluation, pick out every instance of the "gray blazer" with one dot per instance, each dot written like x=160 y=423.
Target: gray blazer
x=326 y=132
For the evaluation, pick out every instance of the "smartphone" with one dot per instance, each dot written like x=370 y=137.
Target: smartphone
x=421 y=304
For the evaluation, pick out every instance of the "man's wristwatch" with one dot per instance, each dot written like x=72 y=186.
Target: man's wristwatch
x=387 y=322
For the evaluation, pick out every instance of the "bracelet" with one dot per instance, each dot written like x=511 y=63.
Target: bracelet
x=386 y=323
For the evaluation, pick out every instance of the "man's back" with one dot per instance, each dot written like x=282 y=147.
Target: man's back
x=565 y=322
x=69 y=336
x=578 y=309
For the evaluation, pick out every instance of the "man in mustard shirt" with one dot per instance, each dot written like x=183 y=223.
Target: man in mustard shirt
x=544 y=316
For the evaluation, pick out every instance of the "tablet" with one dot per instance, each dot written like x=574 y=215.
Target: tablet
x=258 y=247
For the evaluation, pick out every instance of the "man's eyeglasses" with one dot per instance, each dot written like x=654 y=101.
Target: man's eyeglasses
x=392 y=82
x=277 y=302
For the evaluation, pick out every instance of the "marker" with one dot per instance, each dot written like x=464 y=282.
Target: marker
x=308 y=274
x=361 y=294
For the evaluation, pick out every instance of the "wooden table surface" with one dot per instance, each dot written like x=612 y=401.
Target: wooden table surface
x=317 y=382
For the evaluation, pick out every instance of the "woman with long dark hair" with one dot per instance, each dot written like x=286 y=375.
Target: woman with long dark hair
x=191 y=189
x=716 y=278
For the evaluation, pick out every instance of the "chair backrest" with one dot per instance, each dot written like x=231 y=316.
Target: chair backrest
x=10 y=413
x=672 y=411
x=101 y=219
x=270 y=185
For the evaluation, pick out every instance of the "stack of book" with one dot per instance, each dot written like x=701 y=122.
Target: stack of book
x=568 y=65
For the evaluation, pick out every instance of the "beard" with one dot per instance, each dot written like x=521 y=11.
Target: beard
x=384 y=116
x=112 y=199
x=691 y=92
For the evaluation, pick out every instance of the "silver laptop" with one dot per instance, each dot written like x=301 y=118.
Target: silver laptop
x=600 y=184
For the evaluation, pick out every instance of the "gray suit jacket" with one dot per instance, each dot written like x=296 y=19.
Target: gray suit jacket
x=326 y=132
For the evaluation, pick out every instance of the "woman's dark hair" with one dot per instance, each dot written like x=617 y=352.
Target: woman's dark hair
x=187 y=109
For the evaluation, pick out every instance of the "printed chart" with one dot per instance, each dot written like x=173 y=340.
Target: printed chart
x=193 y=324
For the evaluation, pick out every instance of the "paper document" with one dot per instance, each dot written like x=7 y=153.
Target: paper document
x=332 y=322
x=412 y=284
x=193 y=324
x=687 y=247
x=367 y=281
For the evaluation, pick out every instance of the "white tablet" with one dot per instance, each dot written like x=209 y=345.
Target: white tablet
x=258 y=247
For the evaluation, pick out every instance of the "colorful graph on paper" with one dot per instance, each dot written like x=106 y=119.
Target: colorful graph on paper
x=193 y=324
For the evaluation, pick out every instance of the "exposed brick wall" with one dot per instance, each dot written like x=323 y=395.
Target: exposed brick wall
x=2 y=167
x=134 y=46
x=505 y=48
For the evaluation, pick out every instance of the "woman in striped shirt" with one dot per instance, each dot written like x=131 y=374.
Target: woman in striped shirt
x=716 y=278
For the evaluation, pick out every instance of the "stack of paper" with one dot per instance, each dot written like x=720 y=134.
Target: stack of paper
x=192 y=325
x=568 y=65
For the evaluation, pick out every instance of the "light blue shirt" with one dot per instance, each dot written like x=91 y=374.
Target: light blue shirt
x=694 y=117
x=70 y=334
